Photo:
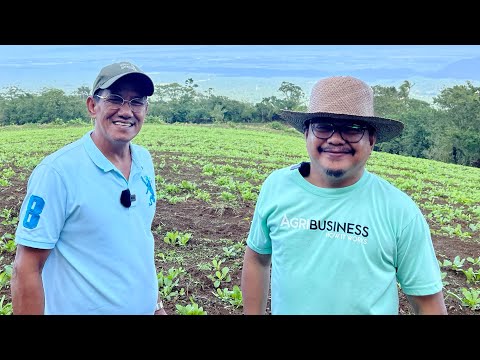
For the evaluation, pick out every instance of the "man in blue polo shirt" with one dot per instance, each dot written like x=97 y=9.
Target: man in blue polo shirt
x=84 y=240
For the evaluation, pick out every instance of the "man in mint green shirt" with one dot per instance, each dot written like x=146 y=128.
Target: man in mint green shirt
x=331 y=237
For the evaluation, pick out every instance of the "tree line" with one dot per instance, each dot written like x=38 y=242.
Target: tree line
x=447 y=130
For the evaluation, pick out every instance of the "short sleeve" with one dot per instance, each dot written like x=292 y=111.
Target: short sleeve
x=418 y=271
x=42 y=214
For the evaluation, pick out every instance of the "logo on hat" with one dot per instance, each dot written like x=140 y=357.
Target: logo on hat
x=127 y=65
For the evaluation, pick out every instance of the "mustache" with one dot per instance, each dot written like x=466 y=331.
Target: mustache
x=336 y=149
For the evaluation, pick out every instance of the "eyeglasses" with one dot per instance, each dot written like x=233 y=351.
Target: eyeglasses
x=350 y=133
x=115 y=102
x=126 y=198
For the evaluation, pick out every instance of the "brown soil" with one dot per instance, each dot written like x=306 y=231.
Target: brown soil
x=215 y=226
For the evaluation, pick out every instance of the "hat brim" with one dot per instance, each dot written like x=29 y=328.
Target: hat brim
x=386 y=129
x=145 y=82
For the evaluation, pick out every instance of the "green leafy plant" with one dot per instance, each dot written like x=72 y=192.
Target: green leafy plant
x=9 y=219
x=171 y=237
x=446 y=263
x=171 y=255
x=167 y=283
x=473 y=260
x=457 y=263
x=7 y=308
x=184 y=238
x=5 y=275
x=233 y=297
x=471 y=298
x=7 y=243
x=190 y=309
x=228 y=196
x=221 y=274
x=177 y=238
x=234 y=250
x=472 y=276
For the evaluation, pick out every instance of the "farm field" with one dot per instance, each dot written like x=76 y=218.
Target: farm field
x=207 y=181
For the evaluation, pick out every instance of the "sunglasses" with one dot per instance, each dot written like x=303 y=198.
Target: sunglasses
x=126 y=198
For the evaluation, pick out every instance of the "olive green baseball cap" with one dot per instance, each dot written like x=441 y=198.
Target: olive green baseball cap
x=111 y=73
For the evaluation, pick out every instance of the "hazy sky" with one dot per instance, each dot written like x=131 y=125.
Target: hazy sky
x=243 y=69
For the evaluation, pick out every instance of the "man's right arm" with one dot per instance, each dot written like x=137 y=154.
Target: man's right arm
x=26 y=284
x=255 y=282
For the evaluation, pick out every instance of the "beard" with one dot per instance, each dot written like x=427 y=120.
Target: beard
x=335 y=173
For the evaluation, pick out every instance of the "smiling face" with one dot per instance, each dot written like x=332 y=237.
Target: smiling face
x=335 y=162
x=116 y=126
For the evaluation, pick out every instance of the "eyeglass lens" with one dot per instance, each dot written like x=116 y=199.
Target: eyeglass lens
x=350 y=133
x=116 y=101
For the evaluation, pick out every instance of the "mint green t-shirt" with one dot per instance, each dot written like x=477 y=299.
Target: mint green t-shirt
x=342 y=251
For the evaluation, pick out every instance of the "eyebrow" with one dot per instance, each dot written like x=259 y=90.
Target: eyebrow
x=336 y=124
x=134 y=97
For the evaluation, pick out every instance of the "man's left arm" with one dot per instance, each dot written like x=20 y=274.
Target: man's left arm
x=428 y=304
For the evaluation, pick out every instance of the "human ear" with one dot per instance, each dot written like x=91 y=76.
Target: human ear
x=372 y=137
x=91 y=106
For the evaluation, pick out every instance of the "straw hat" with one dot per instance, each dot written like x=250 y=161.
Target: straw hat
x=346 y=98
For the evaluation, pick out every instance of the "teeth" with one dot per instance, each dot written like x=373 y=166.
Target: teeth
x=122 y=123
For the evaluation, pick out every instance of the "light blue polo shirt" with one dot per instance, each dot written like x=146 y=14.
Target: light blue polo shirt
x=102 y=258
x=342 y=251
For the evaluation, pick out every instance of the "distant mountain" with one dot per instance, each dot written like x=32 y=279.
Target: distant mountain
x=465 y=69
x=461 y=69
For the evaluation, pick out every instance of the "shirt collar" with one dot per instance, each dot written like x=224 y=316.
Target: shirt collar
x=101 y=160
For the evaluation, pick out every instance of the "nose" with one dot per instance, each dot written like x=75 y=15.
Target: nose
x=335 y=137
x=125 y=107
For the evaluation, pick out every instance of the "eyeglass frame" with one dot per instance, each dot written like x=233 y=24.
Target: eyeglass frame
x=113 y=106
x=339 y=130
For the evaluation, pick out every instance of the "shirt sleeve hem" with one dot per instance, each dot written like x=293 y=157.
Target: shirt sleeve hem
x=35 y=244
x=259 y=250
x=427 y=290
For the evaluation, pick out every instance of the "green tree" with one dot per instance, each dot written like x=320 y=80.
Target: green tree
x=417 y=116
x=456 y=134
x=82 y=92
x=294 y=97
